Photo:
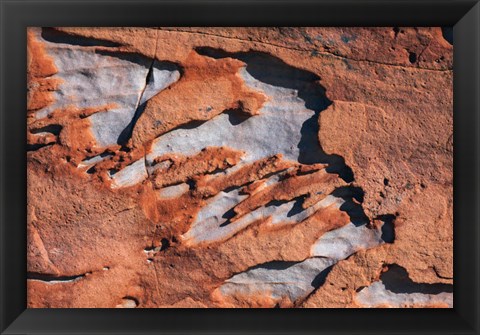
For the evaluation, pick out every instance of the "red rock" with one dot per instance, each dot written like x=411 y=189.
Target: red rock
x=239 y=167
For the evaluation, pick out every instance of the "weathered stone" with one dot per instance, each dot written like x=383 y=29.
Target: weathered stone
x=239 y=167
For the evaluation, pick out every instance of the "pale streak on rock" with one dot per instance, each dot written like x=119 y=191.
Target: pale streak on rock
x=160 y=80
x=282 y=216
x=173 y=191
x=211 y=225
x=89 y=162
x=332 y=247
x=207 y=224
x=293 y=283
x=342 y=242
x=127 y=303
x=130 y=175
x=108 y=126
x=377 y=295
x=91 y=79
x=53 y=282
x=283 y=115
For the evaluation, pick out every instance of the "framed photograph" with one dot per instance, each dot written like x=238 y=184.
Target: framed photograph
x=240 y=167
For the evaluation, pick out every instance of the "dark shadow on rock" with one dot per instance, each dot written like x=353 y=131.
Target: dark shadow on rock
x=388 y=228
x=276 y=203
x=126 y=133
x=47 y=277
x=273 y=71
x=56 y=36
x=447 y=33
x=190 y=125
x=192 y=185
x=35 y=147
x=228 y=216
x=54 y=129
x=321 y=277
x=297 y=207
x=143 y=61
x=352 y=208
x=311 y=151
x=396 y=280
x=237 y=116
x=274 y=265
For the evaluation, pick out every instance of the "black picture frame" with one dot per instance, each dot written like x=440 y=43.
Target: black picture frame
x=463 y=15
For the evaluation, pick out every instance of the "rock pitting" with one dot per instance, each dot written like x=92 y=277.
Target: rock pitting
x=239 y=167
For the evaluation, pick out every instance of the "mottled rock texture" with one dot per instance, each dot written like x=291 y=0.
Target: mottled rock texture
x=240 y=167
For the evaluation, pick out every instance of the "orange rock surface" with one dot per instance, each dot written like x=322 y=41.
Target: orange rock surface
x=239 y=167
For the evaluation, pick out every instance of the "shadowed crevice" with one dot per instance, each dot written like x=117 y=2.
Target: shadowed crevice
x=321 y=277
x=388 y=227
x=237 y=116
x=228 y=216
x=51 y=128
x=273 y=265
x=297 y=206
x=142 y=60
x=56 y=36
x=447 y=33
x=51 y=277
x=35 y=147
x=126 y=133
x=353 y=197
x=396 y=280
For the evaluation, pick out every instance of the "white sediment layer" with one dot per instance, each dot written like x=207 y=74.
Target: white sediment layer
x=91 y=79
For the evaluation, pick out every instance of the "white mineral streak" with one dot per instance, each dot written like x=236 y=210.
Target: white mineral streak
x=211 y=225
x=92 y=79
x=377 y=295
x=332 y=247
x=342 y=242
x=130 y=175
x=282 y=116
x=89 y=162
x=127 y=303
x=294 y=282
x=173 y=191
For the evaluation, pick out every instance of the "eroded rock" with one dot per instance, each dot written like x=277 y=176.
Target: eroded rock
x=239 y=167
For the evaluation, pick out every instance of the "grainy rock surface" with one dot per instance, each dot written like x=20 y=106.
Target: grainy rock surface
x=240 y=167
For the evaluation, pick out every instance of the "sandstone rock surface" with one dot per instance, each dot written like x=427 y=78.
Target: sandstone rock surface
x=239 y=167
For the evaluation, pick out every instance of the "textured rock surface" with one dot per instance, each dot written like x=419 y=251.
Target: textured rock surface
x=240 y=167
